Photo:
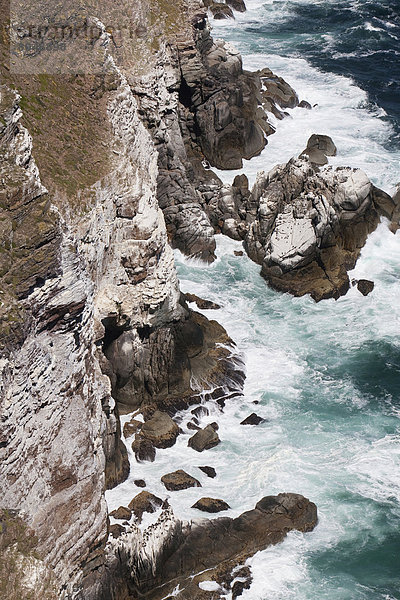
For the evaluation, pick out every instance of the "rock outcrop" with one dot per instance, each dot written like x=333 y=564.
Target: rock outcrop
x=311 y=225
x=179 y=480
x=184 y=549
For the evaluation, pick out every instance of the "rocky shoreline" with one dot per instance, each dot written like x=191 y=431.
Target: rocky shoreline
x=94 y=325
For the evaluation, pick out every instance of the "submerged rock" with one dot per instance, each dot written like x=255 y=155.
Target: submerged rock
x=211 y=505
x=179 y=480
x=204 y=439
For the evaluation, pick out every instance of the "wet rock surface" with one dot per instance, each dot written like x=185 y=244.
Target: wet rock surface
x=204 y=439
x=229 y=542
x=252 y=419
x=209 y=471
x=179 y=480
x=144 y=502
x=211 y=505
x=201 y=303
x=365 y=286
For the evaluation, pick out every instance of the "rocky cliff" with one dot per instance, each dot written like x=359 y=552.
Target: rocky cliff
x=99 y=172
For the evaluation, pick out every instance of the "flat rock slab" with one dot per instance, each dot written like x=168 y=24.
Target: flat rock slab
x=144 y=502
x=252 y=419
x=179 y=480
x=211 y=505
x=204 y=439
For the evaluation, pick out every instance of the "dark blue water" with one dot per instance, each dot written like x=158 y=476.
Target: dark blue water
x=355 y=38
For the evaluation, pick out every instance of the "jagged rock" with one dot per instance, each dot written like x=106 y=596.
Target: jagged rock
x=276 y=92
x=179 y=480
x=144 y=449
x=209 y=471
x=201 y=303
x=395 y=221
x=319 y=147
x=204 y=439
x=122 y=513
x=365 y=286
x=144 y=502
x=140 y=483
x=310 y=226
x=160 y=430
x=238 y=252
x=305 y=104
x=252 y=419
x=238 y=5
x=221 y=11
x=239 y=587
x=116 y=530
x=132 y=427
x=211 y=505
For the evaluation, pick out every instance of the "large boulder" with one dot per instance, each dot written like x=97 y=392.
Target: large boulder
x=311 y=224
x=179 y=480
x=319 y=147
x=161 y=430
x=204 y=439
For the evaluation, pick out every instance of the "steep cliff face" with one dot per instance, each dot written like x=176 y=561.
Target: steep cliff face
x=92 y=318
x=52 y=467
